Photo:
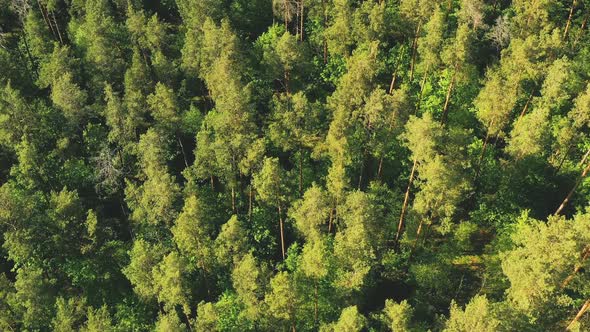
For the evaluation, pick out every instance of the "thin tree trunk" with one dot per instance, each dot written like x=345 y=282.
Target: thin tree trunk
x=583 y=26
x=57 y=28
x=286 y=15
x=233 y=199
x=188 y=321
x=316 y=302
x=448 y=98
x=302 y=20
x=282 y=231
x=569 y=19
x=415 y=244
x=250 y=200
x=393 y=79
x=526 y=106
x=400 y=225
x=29 y=53
x=414 y=49
x=330 y=220
x=300 y=171
x=581 y=313
x=483 y=151
x=584 y=158
x=380 y=168
x=46 y=18
x=324 y=35
x=182 y=149
x=569 y=196
x=585 y=255
x=394 y=75
x=422 y=85
x=564 y=158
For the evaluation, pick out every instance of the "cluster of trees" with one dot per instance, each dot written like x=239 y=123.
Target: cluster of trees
x=292 y=165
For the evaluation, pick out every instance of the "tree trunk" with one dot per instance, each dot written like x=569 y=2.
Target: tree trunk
x=57 y=28
x=526 y=106
x=182 y=149
x=46 y=18
x=380 y=168
x=393 y=79
x=286 y=13
x=564 y=158
x=581 y=313
x=29 y=53
x=569 y=19
x=282 y=231
x=569 y=196
x=250 y=197
x=315 y=311
x=585 y=255
x=330 y=220
x=302 y=20
x=584 y=158
x=233 y=198
x=400 y=225
x=324 y=37
x=483 y=151
x=415 y=244
x=414 y=49
x=422 y=85
x=300 y=171
x=443 y=119
x=583 y=26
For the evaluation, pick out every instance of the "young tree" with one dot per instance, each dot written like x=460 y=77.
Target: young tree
x=192 y=233
x=398 y=316
x=155 y=200
x=477 y=316
x=270 y=186
x=282 y=300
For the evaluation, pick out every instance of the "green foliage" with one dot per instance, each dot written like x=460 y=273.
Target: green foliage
x=477 y=316
x=294 y=165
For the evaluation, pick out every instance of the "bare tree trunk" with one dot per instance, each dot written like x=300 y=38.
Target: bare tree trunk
x=250 y=201
x=415 y=244
x=302 y=20
x=46 y=18
x=585 y=255
x=380 y=168
x=414 y=49
x=569 y=196
x=233 y=199
x=584 y=158
x=400 y=225
x=569 y=19
x=526 y=106
x=483 y=151
x=300 y=171
x=564 y=158
x=57 y=28
x=422 y=85
x=583 y=26
x=182 y=149
x=286 y=13
x=325 y=25
x=330 y=220
x=29 y=53
x=581 y=313
x=282 y=231
x=316 y=302
x=448 y=98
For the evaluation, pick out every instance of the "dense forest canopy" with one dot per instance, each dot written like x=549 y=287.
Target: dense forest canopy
x=294 y=165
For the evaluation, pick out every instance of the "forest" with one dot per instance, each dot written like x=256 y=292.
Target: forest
x=294 y=165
